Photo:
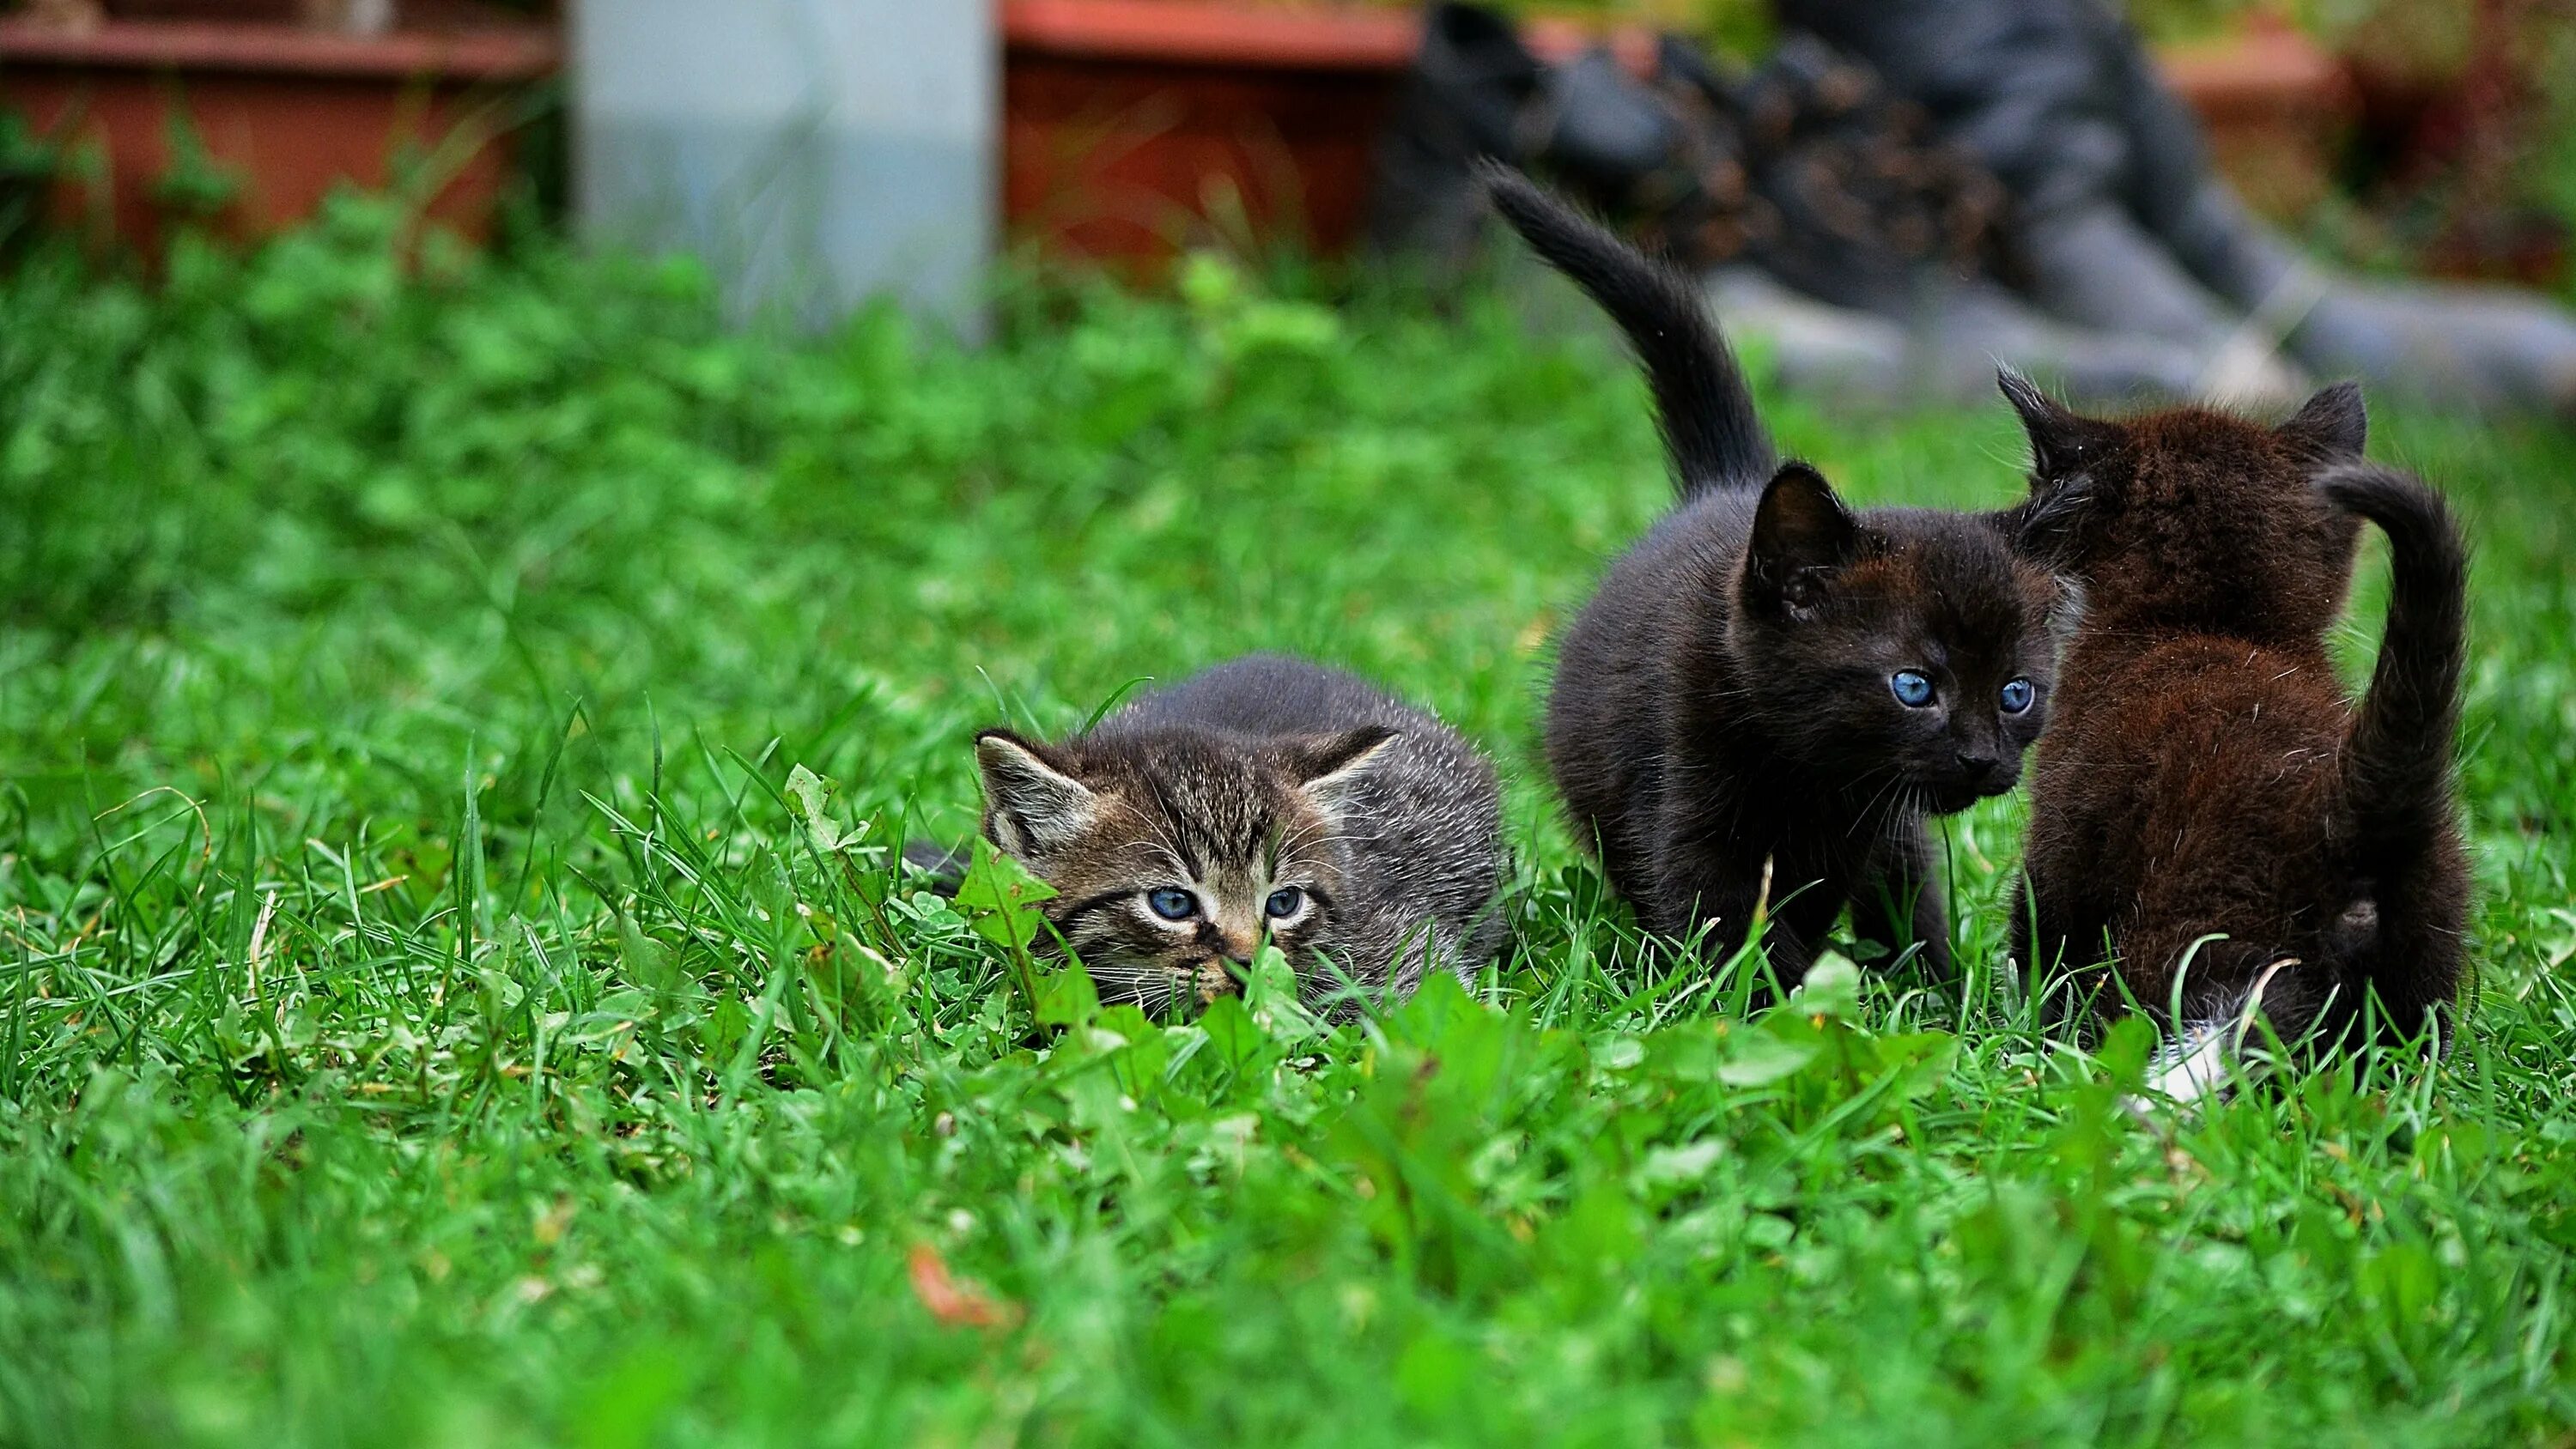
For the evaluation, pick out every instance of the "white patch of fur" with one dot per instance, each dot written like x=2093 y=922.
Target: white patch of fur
x=2196 y=1064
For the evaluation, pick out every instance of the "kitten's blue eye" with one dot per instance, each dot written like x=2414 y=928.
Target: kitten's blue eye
x=1172 y=903
x=2016 y=696
x=1911 y=688
x=1284 y=902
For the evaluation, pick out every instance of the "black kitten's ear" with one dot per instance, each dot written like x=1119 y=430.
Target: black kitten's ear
x=1328 y=766
x=2331 y=426
x=1800 y=530
x=2062 y=440
x=1030 y=802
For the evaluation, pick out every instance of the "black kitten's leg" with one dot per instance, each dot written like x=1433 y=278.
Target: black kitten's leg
x=1899 y=901
x=1699 y=887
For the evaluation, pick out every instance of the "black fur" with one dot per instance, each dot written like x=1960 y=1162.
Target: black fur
x=1722 y=720
x=1715 y=437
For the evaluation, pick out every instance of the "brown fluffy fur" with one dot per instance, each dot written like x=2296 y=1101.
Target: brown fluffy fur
x=2205 y=775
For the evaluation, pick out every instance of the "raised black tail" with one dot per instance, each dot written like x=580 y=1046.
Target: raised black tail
x=2397 y=760
x=1701 y=402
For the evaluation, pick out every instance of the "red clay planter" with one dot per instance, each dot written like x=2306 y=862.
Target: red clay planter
x=286 y=111
x=1131 y=124
x=2271 y=102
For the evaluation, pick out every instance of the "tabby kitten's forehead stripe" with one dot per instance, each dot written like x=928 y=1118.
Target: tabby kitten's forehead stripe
x=1264 y=799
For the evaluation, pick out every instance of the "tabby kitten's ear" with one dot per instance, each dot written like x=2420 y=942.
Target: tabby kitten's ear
x=1327 y=767
x=1801 y=531
x=1029 y=803
x=2330 y=427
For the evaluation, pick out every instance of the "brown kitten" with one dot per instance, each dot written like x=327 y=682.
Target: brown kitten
x=1771 y=691
x=1263 y=798
x=2205 y=776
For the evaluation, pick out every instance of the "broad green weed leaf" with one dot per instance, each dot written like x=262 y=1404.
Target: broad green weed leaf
x=1831 y=989
x=1236 y=1038
x=1066 y=997
x=1000 y=899
x=810 y=791
x=644 y=961
x=1919 y=1061
x=1270 y=993
x=1760 y=1058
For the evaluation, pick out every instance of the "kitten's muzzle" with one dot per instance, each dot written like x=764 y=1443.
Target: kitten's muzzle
x=1973 y=776
x=1210 y=979
x=1977 y=768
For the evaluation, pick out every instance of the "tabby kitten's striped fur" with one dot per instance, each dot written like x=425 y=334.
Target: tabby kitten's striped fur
x=1263 y=798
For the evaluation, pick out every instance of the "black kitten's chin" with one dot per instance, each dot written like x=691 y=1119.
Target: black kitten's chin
x=1951 y=797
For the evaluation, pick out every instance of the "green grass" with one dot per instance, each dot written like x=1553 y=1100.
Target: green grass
x=423 y=1017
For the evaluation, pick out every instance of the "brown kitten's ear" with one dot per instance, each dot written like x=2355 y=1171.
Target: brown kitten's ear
x=1029 y=803
x=2331 y=426
x=2062 y=440
x=1800 y=530
x=1328 y=766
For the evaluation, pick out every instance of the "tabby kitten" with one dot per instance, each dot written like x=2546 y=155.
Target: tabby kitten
x=1263 y=798
x=2208 y=795
x=1771 y=691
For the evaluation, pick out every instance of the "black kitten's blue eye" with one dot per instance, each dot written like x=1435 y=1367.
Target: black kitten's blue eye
x=2016 y=696
x=1911 y=688
x=1172 y=903
x=1284 y=902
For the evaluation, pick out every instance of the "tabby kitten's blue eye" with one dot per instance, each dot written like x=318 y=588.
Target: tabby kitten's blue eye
x=1284 y=902
x=2016 y=696
x=1911 y=688
x=1172 y=903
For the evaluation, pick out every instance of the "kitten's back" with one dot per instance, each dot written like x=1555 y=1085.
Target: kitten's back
x=2209 y=802
x=1269 y=695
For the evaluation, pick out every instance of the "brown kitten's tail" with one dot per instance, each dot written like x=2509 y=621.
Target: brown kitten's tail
x=2397 y=760
x=1701 y=402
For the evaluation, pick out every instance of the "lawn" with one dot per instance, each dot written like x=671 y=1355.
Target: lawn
x=428 y=1013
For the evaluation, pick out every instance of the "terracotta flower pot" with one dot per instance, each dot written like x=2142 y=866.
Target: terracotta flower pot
x=2271 y=103
x=284 y=112
x=1130 y=125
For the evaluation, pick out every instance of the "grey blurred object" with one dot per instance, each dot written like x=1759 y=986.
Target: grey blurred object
x=1824 y=227
x=2121 y=223
x=1947 y=350
x=813 y=152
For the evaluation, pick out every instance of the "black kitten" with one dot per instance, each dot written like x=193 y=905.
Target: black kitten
x=1770 y=691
